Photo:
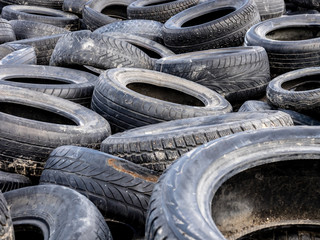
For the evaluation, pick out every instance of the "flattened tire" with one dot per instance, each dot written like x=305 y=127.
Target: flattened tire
x=32 y=124
x=129 y=98
x=55 y=212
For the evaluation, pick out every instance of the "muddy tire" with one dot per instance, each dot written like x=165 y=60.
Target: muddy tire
x=25 y=55
x=32 y=124
x=237 y=74
x=120 y=189
x=158 y=145
x=12 y=181
x=130 y=98
x=210 y=25
x=55 y=212
x=270 y=9
x=259 y=164
x=6 y=226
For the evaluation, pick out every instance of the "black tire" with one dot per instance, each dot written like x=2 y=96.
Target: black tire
x=130 y=97
x=57 y=4
x=187 y=193
x=6 y=226
x=6 y=32
x=309 y=4
x=297 y=118
x=32 y=124
x=215 y=24
x=158 y=10
x=55 y=212
x=153 y=49
x=158 y=145
x=297 y=90
x=12 y=181
x=270 y=9
x=54 y=17
x=97 y=13
x=120 y=189
x=74 y=6
x=238 y=74
x=291 y=42
x=70 y=84
x=43 y=46
x=25 y=55
x=93 y=49
x=144 y=28
x=28 y=29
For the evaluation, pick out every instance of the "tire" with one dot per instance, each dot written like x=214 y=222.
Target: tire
x=158 y=10
x=43 y=46
x=55 y=212
x=25 y=55
x=263 y=158
x=6 y=32
x=6 y=227
x=310 y=4
x=41 y=14
x=191 y=30
x=297 y=118
x=97 y=13
x=153 y=49
x=120 y=189
x=297 y=90
x=74 y=6
x=157 y=146
x=12 y=181
x=57 y=4
x=70 y=84
x=270 y=9
x=238 y=74
x=32 y=124
x=130 y=98
x=288 y=46
x=28 y=29
x=144 y=28
x=92 y=49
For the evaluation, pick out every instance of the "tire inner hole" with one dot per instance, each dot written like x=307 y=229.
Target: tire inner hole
x=294 y=33
x=159 y=2
x=208 y=17
x=26 y=231
x=306 y=83
x=32 y=80
x=116 y=11
x=34 y=113
x=165 y=94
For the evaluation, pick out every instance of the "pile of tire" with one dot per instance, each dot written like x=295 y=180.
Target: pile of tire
x=156 y=119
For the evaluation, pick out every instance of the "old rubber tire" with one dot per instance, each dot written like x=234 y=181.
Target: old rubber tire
x=188 y=202
x=74 y=6
x=6 y=226
x=6 y=31
x=11 y=181
x=270 y=8
x=215 y=24
x=32 y=124
x=119 y=188
x=56 y=4
x=55 y=212
x=25 y=55
x=156 y=146
x=130 y=97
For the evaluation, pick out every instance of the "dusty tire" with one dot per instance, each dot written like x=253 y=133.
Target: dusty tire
x=25 y=55
x=120 y=189
x=6 y=227
x=237 y=74
x=270 y=8
x=12 y=181
x=32 y=124
x=158 y=145
x=130 y=98
x=210 y=25
x=195 y=180
x=41 y=14
x=55 y=212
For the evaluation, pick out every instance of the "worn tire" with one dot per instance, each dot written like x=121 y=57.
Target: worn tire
x=41 y=14
x=6 y=226
x=32 y=124
x=144 y=28
x=6 y=31
x=182 y=206
x=237 y=74
x=120 y=189
x=25 y=55
x=309 y=4
x=74 y=6
x=57 y=4
x=12 y=181
x=70 y=84
x=270 y=8
x=214 y=24
x=158 y=10
x=291 y=42
x=55 y=212
x=152 y=97
x=158 y=145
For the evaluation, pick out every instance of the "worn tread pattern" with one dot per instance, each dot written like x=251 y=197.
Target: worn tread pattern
x=22 y=56
x=120 y=189
x=12 y=181
x=6 y=226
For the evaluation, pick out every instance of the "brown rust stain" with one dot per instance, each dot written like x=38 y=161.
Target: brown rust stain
x=113 y=163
